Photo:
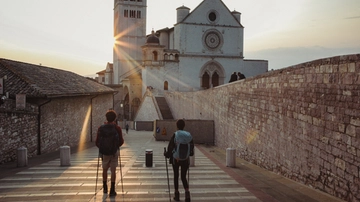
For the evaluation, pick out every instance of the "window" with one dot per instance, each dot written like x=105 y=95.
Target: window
x=126 y=13
x=155 y=56
x=212 y=16
x=132 y=14
x=205 y=81
x=166 y=85
x=138 y=14
x=215 y=79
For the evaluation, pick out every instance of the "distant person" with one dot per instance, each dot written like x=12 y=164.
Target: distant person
x=180 y=147
x=241 y=76
x=127 y=128
x=233 y=77
x=108 y=139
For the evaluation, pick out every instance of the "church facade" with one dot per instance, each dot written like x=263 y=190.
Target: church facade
x=201 y=51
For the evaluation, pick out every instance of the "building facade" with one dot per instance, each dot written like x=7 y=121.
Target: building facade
x=199 y=52
x=46 y=108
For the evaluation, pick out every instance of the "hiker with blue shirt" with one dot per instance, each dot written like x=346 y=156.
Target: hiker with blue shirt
x=180 y=147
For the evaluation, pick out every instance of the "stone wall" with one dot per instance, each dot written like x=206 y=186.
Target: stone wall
x=100 y=104
x=202 y=131
x=68 y=121
x=302 y=122
x=144 y=126
x=18 y=128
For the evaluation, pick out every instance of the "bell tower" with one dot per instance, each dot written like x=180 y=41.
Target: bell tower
x=130 y=35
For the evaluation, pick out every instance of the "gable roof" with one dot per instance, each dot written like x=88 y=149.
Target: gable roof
x=102 y=72
x=213 y=5
x=37 y=81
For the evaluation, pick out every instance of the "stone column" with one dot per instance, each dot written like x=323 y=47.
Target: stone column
x=231 y=157
x=64 y=156
x=22 y=159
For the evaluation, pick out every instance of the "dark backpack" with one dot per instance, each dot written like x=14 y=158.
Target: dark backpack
x=109 y=139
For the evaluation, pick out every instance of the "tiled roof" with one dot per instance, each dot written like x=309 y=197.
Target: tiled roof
x=38 y=81
x=101 y=72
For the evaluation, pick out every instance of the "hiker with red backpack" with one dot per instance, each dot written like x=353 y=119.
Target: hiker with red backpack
x=108 y=139
x=180 y=147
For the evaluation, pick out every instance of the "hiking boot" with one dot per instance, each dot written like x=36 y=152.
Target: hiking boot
x=177 y=196
x=112 y=192
x=105 y=188
x=187 y=196
x=112 y=189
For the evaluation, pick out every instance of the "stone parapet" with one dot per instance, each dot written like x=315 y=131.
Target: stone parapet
x=302 y=122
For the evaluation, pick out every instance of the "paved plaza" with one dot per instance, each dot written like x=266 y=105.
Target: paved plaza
x=210 y=180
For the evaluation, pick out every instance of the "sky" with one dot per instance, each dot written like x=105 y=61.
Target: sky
x=77 y=35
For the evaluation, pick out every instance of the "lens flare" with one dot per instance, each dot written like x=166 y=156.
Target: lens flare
x=251 y=135
x=84 y=130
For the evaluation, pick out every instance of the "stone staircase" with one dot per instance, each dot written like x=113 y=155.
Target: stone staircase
x=164 y=108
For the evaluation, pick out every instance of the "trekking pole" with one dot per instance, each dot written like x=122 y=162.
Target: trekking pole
x=122 y=184
x=167 y=174
x=97 y=172
x=189 y=173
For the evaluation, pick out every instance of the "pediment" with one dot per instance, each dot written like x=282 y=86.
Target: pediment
x=212 y=12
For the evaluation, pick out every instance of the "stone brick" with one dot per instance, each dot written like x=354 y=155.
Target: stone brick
x=341 y=127
x=343 y=68
x=352 y=170
x=351 y=150
x=325 y=140
x=352 y=67
x=340 y=163
x=351 y=130
x=355 y=121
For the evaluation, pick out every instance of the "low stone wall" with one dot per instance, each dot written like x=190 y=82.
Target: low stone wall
x=70 y=121
x=144 y=125
x=18 y=129
x=202 y=131
x=302 y=122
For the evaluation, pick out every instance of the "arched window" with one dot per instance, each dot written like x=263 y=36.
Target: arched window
x=215 y=79
x=166 y=85
x=214 y=71
x=166 y=57
x=155 y=56
x=205 y=81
